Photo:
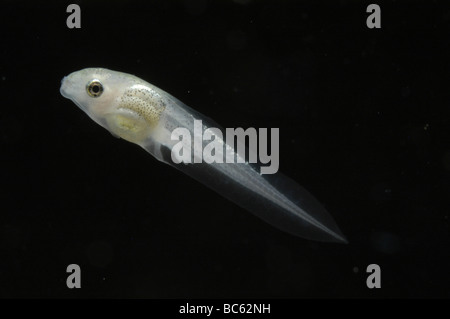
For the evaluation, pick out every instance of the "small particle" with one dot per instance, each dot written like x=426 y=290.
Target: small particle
x=99 y=253
x=189 y=91
x=3 y=78
x=426 y=127
x=196 y=7
x=355 y=269
x=242 y=2
x=446 y=160
x=103 y=278
x=385 y=242
x=237 y=40
x=381 y=192
x=405 y=91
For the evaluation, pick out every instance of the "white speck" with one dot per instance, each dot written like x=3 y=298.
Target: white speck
x=189 y=91
x=355 y=269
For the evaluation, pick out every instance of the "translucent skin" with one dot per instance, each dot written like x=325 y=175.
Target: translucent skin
x=143 y=114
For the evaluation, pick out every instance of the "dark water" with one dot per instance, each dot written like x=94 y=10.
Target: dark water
x=364 y=126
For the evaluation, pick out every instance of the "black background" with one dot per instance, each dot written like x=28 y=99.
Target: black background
x=363 y=118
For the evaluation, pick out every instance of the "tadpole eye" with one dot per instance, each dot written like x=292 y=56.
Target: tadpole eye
x=94 y=88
